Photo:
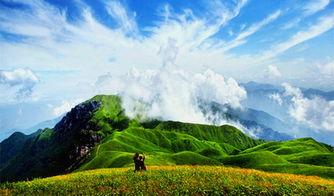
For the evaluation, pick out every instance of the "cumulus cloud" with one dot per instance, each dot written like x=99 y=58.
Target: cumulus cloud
x=211 y=86
x=23 y=79
x=315 y=112
x=276 y=97
x=171 y=93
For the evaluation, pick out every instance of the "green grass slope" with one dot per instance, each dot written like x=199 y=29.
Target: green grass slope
x=303 y=150
x=220 y=134
x=171 y=180
x=161 y=146
x=98 y=134
x=313 y=158
x=292 y=147
x=164 y=146
x=110 y=116
x=253 y=160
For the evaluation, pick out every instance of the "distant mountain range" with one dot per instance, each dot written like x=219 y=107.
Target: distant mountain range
x=258 y=99
x=262 y=88
x=98 y=134
x=30 y=130
x=258 y=124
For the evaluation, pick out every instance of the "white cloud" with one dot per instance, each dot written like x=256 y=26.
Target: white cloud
x=292 y=91
x=24 y=79
x=276 y=97
x=126 y=20
x=65 y=106
x=182 y=39
x=309 y=8
x=242 y=26
x=172 y=94
x=240 y=39
x=315 y=112
x=327 y=70
x=230 y=32
x=211 y=86
x=88 y=45
x=291 y=23
x=324 y=24
x=273 y=72
x=252 y=29
x=314 y=6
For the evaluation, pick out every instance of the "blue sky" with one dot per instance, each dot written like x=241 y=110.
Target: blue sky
x=55 y=51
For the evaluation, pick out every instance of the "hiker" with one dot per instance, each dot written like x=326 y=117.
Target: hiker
x=136 y=161
x=141 y=162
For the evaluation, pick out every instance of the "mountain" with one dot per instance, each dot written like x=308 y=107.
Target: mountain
x=42 y=125
x=257 y=124
x=56 y=150
x=30 y=130
x=260 y=131
x=11 y=146
x=309 y=93
x=264 y=125
x=258 y=98
x=98 y=134
x=255 y=87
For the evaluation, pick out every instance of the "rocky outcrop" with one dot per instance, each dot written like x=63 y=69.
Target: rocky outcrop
x=58 y=150
x=81 y=134
x=65 y=147
x=76 y=118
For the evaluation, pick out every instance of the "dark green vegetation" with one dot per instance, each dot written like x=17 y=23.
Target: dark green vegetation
x=98 y=134
x=11 y=146
x=171 y=180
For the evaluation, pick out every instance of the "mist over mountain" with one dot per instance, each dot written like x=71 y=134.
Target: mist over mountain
x=308 y=112
x=259 y=110
x=97 y=133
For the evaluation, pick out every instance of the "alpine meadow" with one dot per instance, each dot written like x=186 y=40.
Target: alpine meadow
x=129 y=97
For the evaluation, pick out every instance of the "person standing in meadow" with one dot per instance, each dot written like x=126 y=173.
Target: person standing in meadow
x=136 y=161
x=141 y=162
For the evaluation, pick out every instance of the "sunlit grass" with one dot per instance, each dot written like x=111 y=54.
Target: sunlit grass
x=171 y=180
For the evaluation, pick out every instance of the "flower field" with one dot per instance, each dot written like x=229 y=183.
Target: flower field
x=173 y=180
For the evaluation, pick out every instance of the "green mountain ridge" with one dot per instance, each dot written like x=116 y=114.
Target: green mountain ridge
x=98 y=134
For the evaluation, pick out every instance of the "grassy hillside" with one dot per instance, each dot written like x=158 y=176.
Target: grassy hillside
x=292 y=147
x=176 y=143
x=11 y=146
x=191 y=144
x=98 y=134
x=171 y=180
x=110 y=116
x=221 y=134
